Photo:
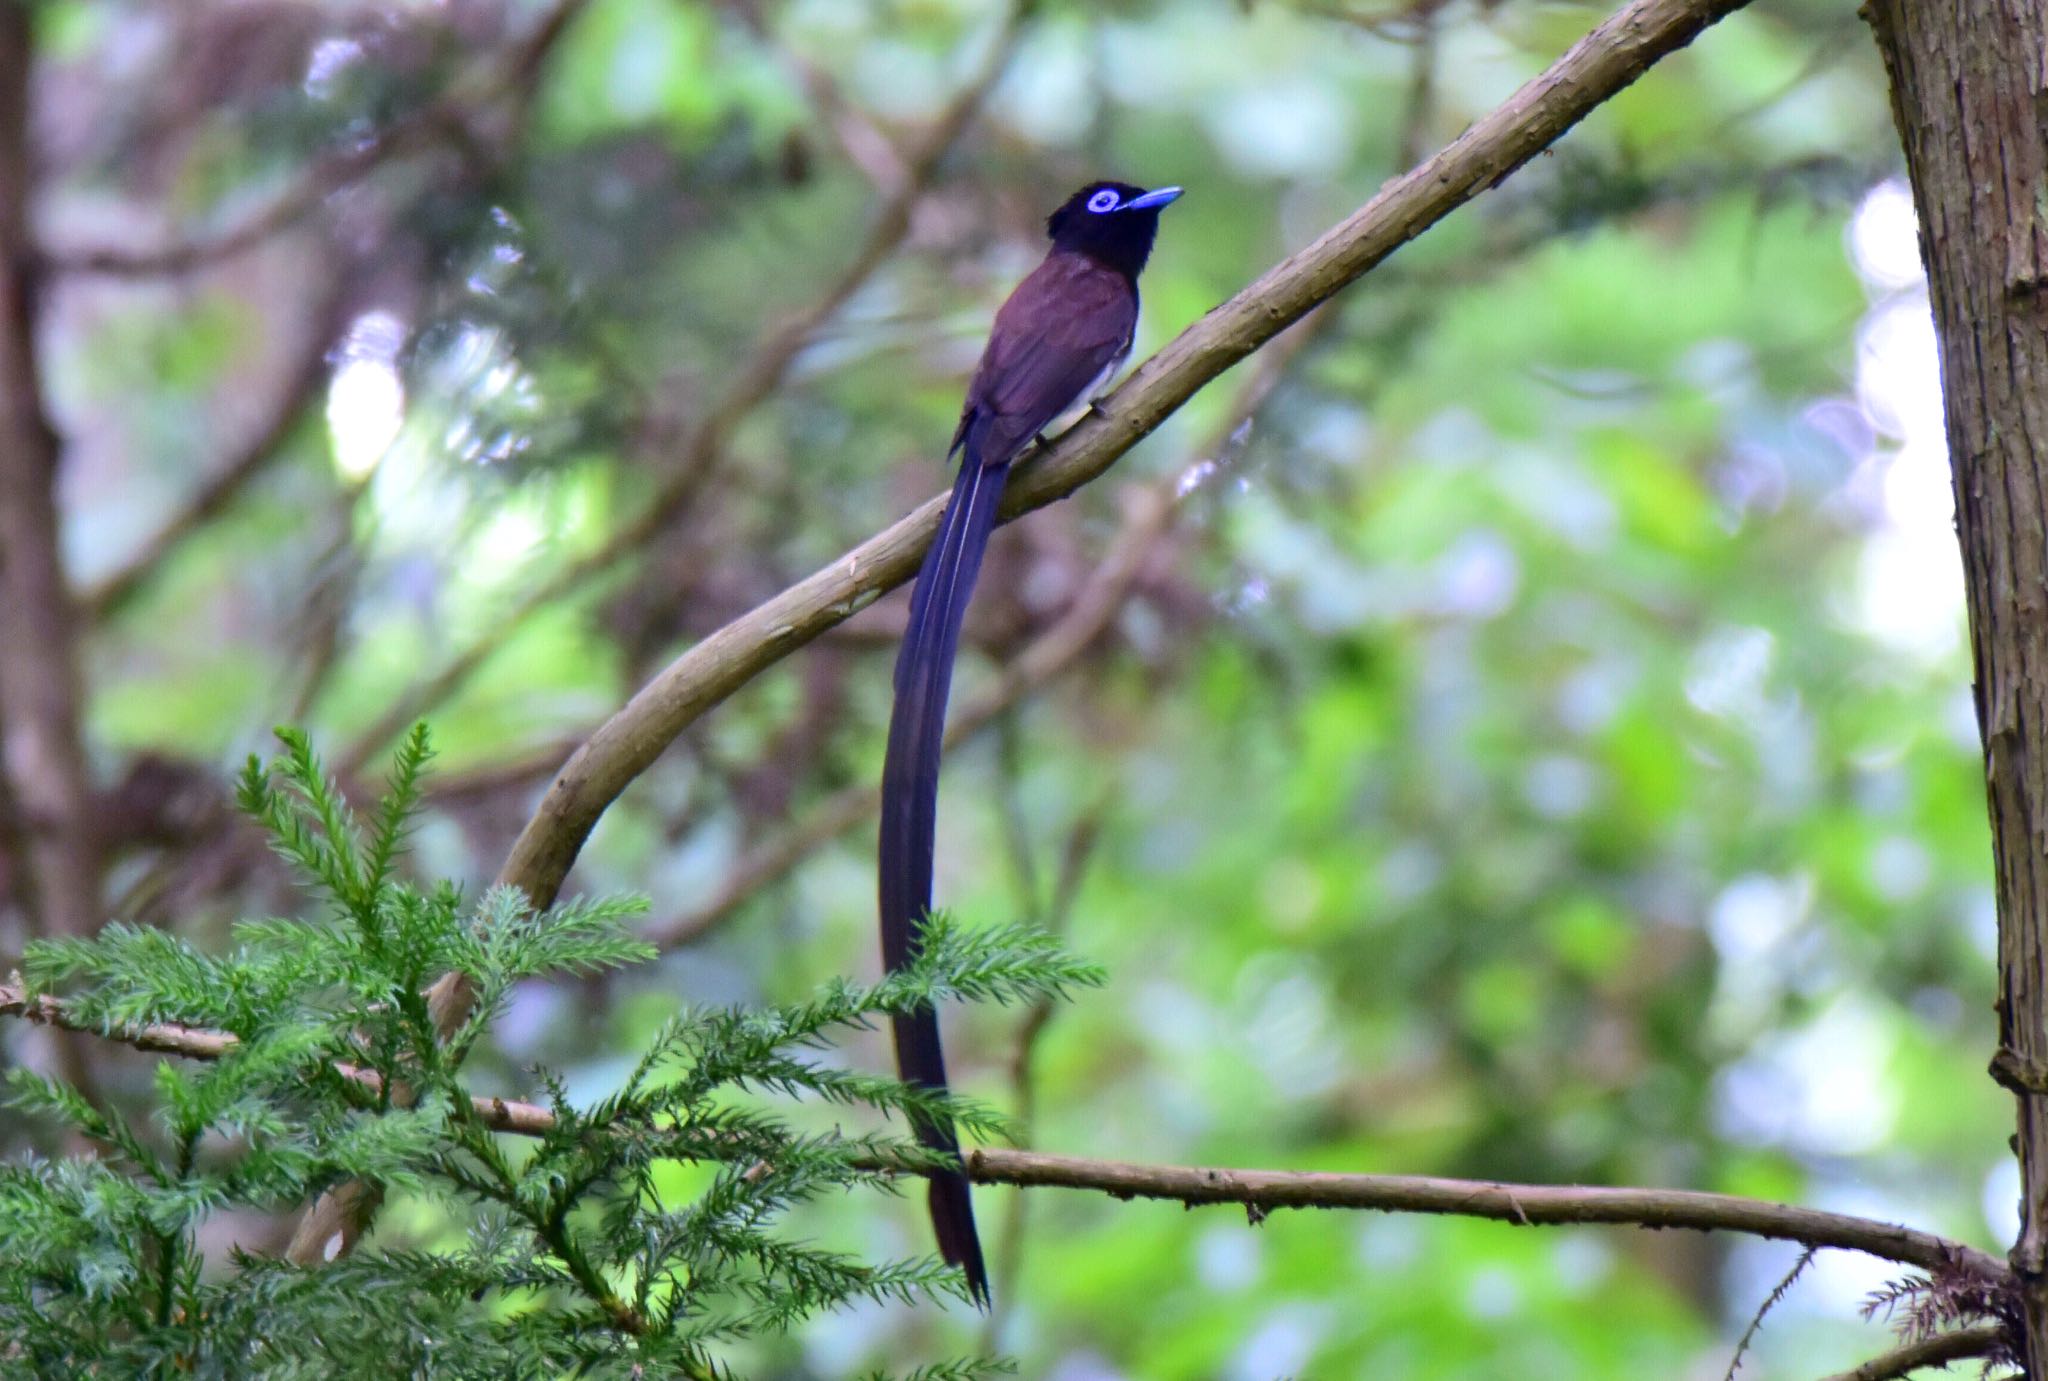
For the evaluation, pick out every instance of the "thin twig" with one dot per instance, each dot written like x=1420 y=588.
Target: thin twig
x=1527 y=1205
x=1770 y=1302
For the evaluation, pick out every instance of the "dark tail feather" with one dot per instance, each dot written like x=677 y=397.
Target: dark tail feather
x=910 y=793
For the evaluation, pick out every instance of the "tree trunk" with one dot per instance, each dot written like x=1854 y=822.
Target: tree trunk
x=1967 y=92
x=47 y=798
x=39 y=677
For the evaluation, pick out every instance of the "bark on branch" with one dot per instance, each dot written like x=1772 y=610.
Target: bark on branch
x=1149 y=515
x=1528 y=1205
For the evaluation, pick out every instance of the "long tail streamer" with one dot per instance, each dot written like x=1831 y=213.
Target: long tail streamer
x=910 y=793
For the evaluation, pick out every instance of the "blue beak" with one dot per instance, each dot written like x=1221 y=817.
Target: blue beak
x=1165 y=196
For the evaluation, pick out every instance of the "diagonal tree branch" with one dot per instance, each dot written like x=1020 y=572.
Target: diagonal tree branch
x=1771 y=1301
x=758 y=377
x=331 y=1225
x=1608 y=59
x=1260 y=1192
x=1048 y=655
x=1149 y=515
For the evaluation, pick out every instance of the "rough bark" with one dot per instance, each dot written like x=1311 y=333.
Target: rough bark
x=1967 y=90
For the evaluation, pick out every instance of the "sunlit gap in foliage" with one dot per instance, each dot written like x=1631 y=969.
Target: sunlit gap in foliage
x=1910 y=585
x=326 y=68
x=471 y=404
x=494 y=399
x=366 y=399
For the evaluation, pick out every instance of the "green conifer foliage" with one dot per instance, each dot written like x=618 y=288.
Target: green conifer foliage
x=574 y=1263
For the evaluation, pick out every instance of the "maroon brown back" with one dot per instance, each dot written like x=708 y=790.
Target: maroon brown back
x=1066 y=323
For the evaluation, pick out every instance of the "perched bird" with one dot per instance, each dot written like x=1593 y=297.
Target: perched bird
x=1061 y=336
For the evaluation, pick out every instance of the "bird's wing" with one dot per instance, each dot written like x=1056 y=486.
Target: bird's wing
x=1066 y=323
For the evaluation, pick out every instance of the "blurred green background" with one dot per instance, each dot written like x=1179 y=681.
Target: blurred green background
x=1527 y=736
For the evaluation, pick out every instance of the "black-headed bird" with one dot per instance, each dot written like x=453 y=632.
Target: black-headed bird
x=1061 y=336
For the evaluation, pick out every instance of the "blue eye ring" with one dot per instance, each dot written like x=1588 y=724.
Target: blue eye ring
x=1104 y=200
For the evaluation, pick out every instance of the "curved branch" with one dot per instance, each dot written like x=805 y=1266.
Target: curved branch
x=1606 y=60
x=759 y=375
x=1937 y=1351
x=1262 y=1191
x=1051 y=653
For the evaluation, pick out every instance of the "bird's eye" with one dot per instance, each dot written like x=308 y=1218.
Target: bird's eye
x=1105 y=200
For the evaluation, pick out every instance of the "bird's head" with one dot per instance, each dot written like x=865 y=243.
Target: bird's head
x=1113 y=222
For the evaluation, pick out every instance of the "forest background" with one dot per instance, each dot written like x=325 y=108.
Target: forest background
x=1517 y=725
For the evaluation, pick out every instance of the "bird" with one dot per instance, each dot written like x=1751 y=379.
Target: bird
x=1061 y=336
